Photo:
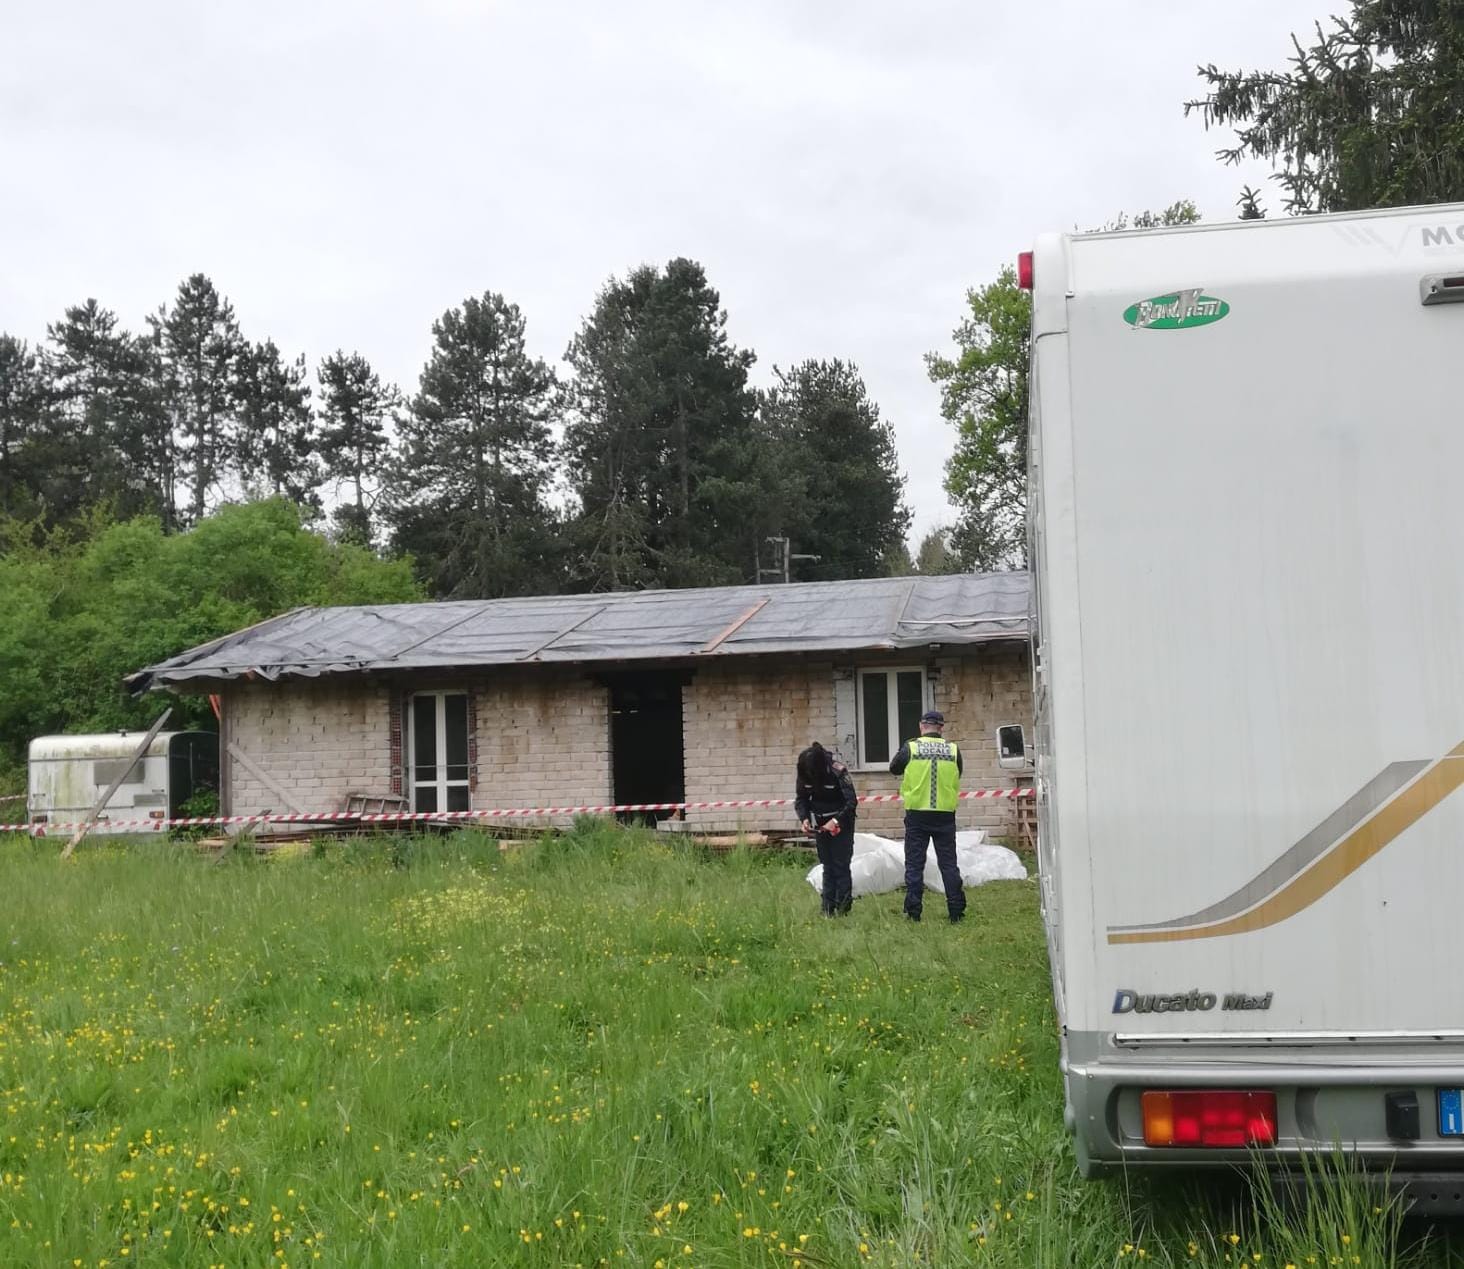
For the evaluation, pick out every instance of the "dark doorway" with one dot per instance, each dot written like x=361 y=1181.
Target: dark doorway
x=646 y=739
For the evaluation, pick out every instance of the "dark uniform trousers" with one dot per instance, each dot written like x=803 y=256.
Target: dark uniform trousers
x=921 y=828
x=836 y=853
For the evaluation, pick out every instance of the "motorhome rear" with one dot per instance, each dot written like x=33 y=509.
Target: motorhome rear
x=1247 y=522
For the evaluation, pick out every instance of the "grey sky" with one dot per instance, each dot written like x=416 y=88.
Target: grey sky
x=346 y=171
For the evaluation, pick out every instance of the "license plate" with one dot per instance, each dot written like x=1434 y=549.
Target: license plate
x=1451 y=1112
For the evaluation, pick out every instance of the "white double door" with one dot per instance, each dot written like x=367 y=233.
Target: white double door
x=438 y=751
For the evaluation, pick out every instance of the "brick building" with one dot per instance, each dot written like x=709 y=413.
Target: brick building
x=648 y=696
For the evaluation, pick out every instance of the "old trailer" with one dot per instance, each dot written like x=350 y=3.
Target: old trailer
x=69 y=774
x=1247 y=530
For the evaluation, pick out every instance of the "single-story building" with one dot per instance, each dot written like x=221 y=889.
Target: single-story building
x=631 y=697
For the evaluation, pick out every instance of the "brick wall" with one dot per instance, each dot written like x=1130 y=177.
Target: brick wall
x=314 y=741
x=745 y=723
x=543 y=738
x=544 y=735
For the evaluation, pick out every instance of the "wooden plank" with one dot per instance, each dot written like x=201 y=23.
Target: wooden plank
x=736 y=626
x=112 y=788
x=244 y=760
x=559 y=634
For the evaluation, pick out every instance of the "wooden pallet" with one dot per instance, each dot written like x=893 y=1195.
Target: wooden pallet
x=375 y=804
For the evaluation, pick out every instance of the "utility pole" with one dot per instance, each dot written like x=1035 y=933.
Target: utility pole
x=783 y=557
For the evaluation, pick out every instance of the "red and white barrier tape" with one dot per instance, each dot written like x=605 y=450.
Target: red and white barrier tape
x=12 y=797
x=520 y=812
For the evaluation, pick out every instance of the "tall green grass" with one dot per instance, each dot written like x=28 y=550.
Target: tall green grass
x=597 y=1050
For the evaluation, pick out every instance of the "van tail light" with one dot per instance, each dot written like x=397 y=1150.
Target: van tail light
x=1209 y=1118
x=40 y=819
x=1024 y=270
x=157 y=815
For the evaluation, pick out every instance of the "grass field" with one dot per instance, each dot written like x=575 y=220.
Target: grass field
x=601 y=1050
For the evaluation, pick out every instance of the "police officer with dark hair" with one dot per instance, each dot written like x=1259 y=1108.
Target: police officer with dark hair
x=930 y=785
x=826 y=805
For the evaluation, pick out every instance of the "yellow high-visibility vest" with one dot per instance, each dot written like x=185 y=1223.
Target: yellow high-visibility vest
x=932 y=781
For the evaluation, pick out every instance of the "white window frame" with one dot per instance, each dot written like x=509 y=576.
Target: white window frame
x=441 y=783
x=892 y=708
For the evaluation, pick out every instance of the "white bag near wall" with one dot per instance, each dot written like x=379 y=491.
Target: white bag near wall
x=878 y=865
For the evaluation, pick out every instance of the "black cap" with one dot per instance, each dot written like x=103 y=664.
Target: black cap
x=933 y=716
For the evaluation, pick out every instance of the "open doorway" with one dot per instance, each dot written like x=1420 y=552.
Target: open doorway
x=647 y=742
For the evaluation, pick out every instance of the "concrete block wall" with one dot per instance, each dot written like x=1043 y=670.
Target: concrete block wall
x=979 y=693
x=543 y=737
x=316 y=740
x=543 y=740
x=746 y=722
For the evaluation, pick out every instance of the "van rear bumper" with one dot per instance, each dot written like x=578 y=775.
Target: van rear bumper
x=1328 y=1097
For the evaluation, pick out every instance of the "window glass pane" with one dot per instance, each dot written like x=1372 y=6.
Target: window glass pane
x=876 y=717
x=425 y=798
x=909 y=702
x=424 y=737
x=455 y=711
x=457 y=797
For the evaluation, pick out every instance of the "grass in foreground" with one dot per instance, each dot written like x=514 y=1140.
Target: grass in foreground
x=597 y=1050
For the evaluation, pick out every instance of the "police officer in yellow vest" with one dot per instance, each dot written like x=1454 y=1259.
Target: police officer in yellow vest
x=930 y=771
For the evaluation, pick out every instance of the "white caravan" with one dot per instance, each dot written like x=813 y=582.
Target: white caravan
x=1247 y=533
x=69 y=774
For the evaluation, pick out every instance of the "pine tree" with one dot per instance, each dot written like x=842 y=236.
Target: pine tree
x=662 y=451
x=24 y=399
x=935 y=556
x=107 y=425
x=1367 y=116
x=198 y=348
x=848 y=508
x=355 y=410
x=469 y=501
x=277 y=426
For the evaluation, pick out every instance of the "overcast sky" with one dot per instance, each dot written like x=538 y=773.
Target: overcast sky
x=844 y=169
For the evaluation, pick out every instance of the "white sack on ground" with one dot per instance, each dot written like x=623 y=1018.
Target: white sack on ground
x=873 y=872
x=976 y=864
x=864 y=843
x=878 y=865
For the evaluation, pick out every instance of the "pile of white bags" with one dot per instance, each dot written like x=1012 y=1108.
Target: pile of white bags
x=878 y=865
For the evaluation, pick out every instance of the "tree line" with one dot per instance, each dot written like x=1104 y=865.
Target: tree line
x=647 y=460
x=87 y=606
x=1366 y=115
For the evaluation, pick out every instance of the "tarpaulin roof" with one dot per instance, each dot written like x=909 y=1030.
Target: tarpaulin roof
x=874 y=613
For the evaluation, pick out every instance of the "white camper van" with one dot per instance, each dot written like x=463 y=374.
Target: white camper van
x=67 y=774
x=1247 y=531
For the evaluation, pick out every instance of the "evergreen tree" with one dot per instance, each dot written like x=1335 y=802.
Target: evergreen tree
x=848 y=507
x=897 y=561
x=469 y=500
x=1249 y=203
x=1368 y=116
x=198 y=348
x=24 y=398
x=355 y=409
x=662 y=451
x=277 y=426
x=84 y=440
x=935 y=556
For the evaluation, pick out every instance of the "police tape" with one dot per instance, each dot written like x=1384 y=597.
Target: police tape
x=12 y=797
x=437 y=817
